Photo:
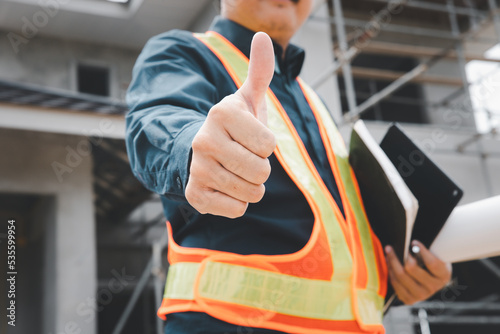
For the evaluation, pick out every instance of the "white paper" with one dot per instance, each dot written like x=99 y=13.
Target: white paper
x=472 y=232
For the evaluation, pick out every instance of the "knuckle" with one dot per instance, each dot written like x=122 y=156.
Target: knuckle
x=447 y=278
x=410 y=266
x=201 y=142
x=257 y=193
x=404 y=298
x=447 y=274
x=434 y=288
x=271 y=143
x=399 y=272
x=197 y=143
x=264 y=171
x=195 y=198
x=227 y=109
x=238 y=210
x=219 y=178
x=197 y=173
x=267 y=141
x=433 y=265
x=410 y=301
x=218 y=111
x=189 y=194
x=423 y=292
x=235 y=166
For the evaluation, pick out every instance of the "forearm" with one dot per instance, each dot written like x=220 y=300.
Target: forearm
x=159 y=146
x=169 y=98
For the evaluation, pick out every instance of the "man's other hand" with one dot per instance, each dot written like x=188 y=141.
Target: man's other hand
x=230 y=162
x=413 y=283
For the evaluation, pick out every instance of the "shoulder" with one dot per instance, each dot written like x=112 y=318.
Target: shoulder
x=170 y=38
x=175 y=42
x=175 y=49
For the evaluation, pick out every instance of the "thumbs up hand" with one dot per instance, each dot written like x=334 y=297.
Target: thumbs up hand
x=230 y=161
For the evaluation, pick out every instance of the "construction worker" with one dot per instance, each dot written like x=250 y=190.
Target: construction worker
x=267 y=233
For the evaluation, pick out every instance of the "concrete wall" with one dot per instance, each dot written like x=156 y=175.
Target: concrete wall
x=52 y=63
x=70 y=250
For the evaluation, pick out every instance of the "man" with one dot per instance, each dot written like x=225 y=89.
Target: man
x=237 y=204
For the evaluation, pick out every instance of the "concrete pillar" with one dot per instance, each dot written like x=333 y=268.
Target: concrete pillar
x=70 y=277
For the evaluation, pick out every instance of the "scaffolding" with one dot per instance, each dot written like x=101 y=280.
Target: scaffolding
x=467 y=21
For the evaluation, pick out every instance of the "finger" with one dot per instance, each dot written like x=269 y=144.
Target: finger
x=422 y=276
x=403 y=294
x=243 y=163
x=396 y=267
x=260 y=74
x=399 y=275
x=214 y=202
x=220 y=179
x=436 y=267
x=400 y=290
x=215 y=177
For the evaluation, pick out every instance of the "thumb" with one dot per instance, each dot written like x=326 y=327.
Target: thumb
x=260 y=74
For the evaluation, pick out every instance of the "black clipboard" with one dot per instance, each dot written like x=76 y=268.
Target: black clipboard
x=436 y=192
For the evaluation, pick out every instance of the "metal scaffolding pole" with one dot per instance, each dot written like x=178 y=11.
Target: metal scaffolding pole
x=495 y=15
x=473 y=17
x=485 y=171
x=346 y=67
x=439 y=8
x=159 y=280
x=406 y=78
x=376 y=108
x=395 y=85
x=455 y=30
x=496 y=21
x=462 y=63
x=396 y=28
x=487 y=305
x=403 y=80
x=143 y=281
x=417 y=51
x=424 y=321
x=496 y=18
x=491 y=266
x=345 y=57
x=464 y=319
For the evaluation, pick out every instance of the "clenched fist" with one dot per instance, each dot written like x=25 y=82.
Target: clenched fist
x=230 y=151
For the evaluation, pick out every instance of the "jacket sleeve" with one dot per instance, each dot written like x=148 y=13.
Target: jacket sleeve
x=169 y=97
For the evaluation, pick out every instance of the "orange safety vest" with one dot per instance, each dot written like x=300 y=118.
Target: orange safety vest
x=335 y=284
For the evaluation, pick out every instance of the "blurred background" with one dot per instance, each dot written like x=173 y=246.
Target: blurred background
x=91 y=246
